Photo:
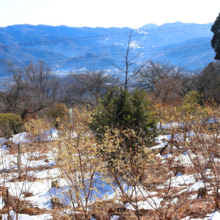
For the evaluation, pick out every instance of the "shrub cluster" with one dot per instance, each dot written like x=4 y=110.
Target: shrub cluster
x=10 y=124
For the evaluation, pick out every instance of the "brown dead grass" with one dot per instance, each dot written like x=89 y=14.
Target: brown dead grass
x=24 y=178
x=43 y=147
x=31 y=211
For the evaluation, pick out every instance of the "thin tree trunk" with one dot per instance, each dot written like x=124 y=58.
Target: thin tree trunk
x=19 y=161
x=185 y=131
x=8 y=204
x=138 y=215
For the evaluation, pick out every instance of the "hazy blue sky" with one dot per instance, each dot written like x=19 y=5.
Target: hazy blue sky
x=107 y=13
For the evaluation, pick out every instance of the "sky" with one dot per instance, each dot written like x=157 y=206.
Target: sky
x=107 y=13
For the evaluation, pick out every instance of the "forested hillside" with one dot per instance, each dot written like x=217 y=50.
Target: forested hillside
x=72 y=48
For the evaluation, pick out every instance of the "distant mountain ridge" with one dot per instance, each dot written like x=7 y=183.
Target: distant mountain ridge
x=66 y=45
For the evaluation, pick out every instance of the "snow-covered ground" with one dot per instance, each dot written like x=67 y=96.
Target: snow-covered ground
x=41 y=191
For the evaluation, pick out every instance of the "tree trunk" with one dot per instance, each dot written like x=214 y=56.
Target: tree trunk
x=19 y=161
x=8 y=204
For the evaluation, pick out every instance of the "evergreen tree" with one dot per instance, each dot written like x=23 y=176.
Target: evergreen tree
x=122 y=110
x=216 y=38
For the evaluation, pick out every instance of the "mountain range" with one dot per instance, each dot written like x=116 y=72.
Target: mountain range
x=72 y=48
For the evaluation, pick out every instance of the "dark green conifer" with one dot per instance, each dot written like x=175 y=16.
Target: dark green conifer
x=122 y=110
x=216 y=38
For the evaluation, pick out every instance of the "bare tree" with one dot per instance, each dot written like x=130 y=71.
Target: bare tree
x=12 y=87
x=159 y=79
x=89 y=87
x=186 y=81
x=208 y=81
x=128 y=63
x=29 y=89
x=42 y=87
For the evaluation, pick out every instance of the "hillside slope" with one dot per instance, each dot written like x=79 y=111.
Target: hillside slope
x=60 y=46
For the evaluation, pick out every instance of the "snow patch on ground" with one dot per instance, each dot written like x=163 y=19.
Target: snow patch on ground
x=1 y=203
x=150 y=203
x=27 y=217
